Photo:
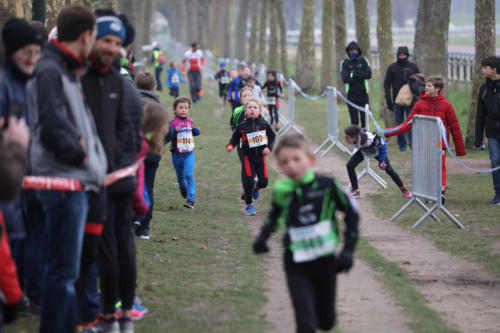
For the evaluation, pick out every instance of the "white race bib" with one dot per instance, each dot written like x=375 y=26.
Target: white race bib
x=174 y=79
x=224 y=80
x=257 y=139
x=271 y=100
x=311 y=242
x=185 y=141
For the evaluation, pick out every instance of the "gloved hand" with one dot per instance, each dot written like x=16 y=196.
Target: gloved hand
x=390 y=105
x=344 y=261
x=260 y=246
x=382 y=165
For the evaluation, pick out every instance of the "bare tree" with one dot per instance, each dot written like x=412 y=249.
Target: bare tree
x=262 y=30
x=431 y=37
x=327 y=52
x=385 y=52
x=53 y=9
x=362 y=16
x=149 y=11
x=283 y=42
x=241 y=30
x=253 y=32
x=227 y=30
x=203 y=19
x=340 y=39
x=273 y=58
x=217 y=40
x=306 y=64
x=484 y=22
x=192 y=22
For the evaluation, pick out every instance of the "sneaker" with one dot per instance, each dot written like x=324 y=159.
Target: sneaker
x=250 y=210
x=189 y=204
x=137 y=306
x=496 y=200
x=406 y=193
x=184 y=192
x=255 y=193
x=104 y=326
x=126 y=325
x=355 y=193
x=142 y=234
x=134 y=314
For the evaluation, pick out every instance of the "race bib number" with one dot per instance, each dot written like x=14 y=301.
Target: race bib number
x=257 y=139
x=185 y=141
x=175 y=79
x=312 y=242
x=270 y=100
x=224 y=80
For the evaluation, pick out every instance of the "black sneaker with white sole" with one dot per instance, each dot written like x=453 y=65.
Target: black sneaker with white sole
x=189 y=204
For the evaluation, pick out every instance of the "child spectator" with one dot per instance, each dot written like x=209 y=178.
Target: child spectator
x=369 y=144
x=257 y=139
x=173 y=79
x=274 y=91
x=432 y=103
x=181 y=132
x=222 y=76
x=305 y=203
x=154 y=127
x=145 y=83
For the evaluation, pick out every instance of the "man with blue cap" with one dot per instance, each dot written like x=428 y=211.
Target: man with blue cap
x=108 y=238
x=223 y=78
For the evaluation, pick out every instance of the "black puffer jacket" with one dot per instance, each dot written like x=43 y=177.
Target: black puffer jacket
x=397 y=75
x=488 y=111
x=355 y=73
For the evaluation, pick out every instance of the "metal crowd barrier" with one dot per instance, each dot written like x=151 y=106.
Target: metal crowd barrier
x=427 y=154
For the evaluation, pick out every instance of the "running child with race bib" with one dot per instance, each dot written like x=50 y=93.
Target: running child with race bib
x=305 y=203
x=180 y=134
x=257 y=140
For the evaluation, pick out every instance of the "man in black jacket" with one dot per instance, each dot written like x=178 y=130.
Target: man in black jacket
x=356 y=72
x=396 y=76
x=118 y=124
x=488 y=116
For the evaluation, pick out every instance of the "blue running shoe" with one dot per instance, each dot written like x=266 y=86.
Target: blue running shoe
x=250 y=210
x=255 y=193
x=140 y=307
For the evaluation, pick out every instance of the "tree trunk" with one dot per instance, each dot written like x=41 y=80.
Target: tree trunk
x=192 y=22
x=306 y=61
x=484 y=22
x=53 y=9
x=431 y=38
x=138 y=20
x=241 y=30
x=273 y=57
x=262 y=30
x=252 y=43
x=327 y=52
x=227 y=29
x=108 y=4
x=218 y=28
x=385 y=53
x=363 y=26
x=340 y=39
x=203 y=19
x=283 y=43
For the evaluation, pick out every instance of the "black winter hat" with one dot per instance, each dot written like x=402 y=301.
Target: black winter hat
x=129 y=30
x=18 y=33
x=404 y=50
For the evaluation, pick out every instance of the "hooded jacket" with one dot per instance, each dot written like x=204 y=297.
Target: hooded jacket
x=355 y=73
x=397 y=75
x=488 y=111
x=13 y=99
x=64 y=139
x=436 y=107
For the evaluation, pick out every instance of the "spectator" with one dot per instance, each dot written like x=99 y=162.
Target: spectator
x=145 y=84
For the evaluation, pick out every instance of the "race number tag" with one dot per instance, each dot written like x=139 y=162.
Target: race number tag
x=174 y=79
x=224 y=80
x=311 y=242
x=257 y=139
x=185 y=141
x=270 y=100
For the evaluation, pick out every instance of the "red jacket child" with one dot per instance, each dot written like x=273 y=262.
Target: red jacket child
x=437 y=106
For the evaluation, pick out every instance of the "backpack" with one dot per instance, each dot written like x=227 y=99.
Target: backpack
x=161 y=59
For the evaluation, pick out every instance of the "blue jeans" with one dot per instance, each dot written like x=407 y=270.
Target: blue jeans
x=65 y=214
x=184 y=167
x=494 y=147
x=151 y=164
x=401 y=113
x=158 y=70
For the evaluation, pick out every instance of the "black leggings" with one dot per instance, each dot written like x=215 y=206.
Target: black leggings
x=254 y=165
x=358 y=158
x=361 y=100
x=312 y=289
x=117 y=256
x=273 y=111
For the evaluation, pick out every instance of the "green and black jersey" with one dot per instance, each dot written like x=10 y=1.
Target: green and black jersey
x=307 y=207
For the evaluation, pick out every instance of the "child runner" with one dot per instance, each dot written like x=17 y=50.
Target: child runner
x=154 y=127
x=369 y=144
x=223 y=78
x=257 y=139
x=257 y=90
x=305 y=203
x=274 y=91
x=432 y=103
x=181 y=134
x=173 y=79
